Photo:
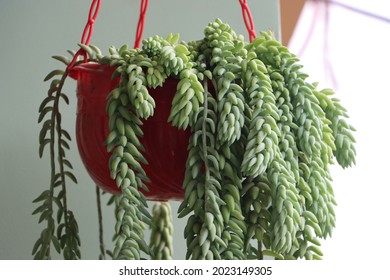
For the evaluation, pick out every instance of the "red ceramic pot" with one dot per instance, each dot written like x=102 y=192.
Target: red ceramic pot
x=165 y=145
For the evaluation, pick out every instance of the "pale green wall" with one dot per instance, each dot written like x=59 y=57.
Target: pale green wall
x=32 y=31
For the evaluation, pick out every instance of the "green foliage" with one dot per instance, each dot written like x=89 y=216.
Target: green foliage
x=262 y=139
x=202 y=189
x=61 y=231
x=161 y=241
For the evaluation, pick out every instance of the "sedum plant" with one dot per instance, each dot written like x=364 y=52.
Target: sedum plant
x=257 y=179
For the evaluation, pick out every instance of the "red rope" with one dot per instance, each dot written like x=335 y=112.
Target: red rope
x=94 y=11
x=248 y=20
x=88 y=29
x=87 y=33
x=141 y=23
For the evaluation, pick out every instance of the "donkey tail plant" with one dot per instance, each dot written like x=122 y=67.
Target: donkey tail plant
x=257 y=180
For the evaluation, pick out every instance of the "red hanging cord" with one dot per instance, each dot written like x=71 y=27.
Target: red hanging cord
x=248 y=20
x=246 y=14
x=87 y=33
x=141 y=23
x=94 y=11
x=88 y=29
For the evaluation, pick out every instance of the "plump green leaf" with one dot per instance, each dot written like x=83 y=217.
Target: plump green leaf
x=40 y=209
x=43 y=113
x=62 y=59
x=53 y=73
x=66 y=134
x=56 y=244
x=71 y=176
x=36 y=246
x=44 y=195
x=45 y=128
x=67 y=163
x=65 y=144
x=42 y=146
x=45 y=215
x=65 y=98
x=45 y=102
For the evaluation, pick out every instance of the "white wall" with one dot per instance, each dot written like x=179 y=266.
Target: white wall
x=30 y=33
x=358 y=49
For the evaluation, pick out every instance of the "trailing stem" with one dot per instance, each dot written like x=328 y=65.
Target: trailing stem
x=102 y=255
x=64 y=236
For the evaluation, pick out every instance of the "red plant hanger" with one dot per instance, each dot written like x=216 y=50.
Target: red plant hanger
x=94 y=11
x=94 y=83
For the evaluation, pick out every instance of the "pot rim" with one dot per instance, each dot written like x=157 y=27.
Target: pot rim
x=89 y=67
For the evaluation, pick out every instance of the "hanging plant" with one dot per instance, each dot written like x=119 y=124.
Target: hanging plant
x=261 y=139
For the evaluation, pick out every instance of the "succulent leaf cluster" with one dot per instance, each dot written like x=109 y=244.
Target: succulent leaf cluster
x=161 y=236
x=257 y=178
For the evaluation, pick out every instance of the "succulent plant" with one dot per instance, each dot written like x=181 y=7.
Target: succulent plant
x=257 y=178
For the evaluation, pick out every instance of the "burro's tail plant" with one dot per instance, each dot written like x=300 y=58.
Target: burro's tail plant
x=257 y=179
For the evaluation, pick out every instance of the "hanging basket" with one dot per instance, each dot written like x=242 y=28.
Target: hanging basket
x=165 y=146
x=255 y=168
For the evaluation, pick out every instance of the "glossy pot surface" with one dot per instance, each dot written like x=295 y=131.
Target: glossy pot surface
x=165 y=146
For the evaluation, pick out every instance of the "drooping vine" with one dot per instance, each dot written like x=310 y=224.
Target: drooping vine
x=61 y=230
x=125 y=167
x=204 y=228
x=257 y=180
x=161 y=236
